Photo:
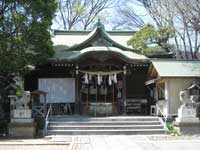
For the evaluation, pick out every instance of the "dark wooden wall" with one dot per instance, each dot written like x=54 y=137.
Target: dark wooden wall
x=135 y=83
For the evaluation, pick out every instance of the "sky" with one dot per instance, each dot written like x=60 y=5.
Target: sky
x=111 y=13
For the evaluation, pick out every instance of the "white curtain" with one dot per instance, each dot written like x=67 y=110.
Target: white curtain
x=59 y=90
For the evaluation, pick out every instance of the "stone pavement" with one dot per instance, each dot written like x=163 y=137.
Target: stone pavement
x=124 y=142
x=33 y=147
x=105 y=142
x=33 y=144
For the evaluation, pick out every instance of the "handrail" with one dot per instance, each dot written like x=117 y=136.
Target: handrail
x=47 y=119
x=163 y=116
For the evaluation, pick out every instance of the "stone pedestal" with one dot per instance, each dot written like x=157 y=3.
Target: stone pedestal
x=22 y=130
x=187 y=114
x=22 y=113
x=22 y=124
x=187 y=122
x=187 y=128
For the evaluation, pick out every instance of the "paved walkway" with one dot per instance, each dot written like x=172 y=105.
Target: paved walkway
x=103 y=142
x=33 y=147
x=33 y=144
x=124 y=142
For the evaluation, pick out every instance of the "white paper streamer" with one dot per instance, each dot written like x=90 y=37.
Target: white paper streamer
x=98 y=79
x=110 y=80
x=115 y=78
x=90 y=77
x=86 y=79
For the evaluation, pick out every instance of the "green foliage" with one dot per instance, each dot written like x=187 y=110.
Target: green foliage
x=78 y=9
x=149 y=40
x=171 y=129
x=153 y=50
x=19 y=92
x=24 y=36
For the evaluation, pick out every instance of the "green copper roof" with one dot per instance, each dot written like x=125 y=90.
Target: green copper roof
x=101 y=43
x=75 y=55
x=177 y=68
x=99 y=37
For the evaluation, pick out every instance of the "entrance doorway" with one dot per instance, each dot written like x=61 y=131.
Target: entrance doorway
x=101 y=93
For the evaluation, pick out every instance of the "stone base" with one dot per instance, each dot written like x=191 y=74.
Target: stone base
x=188 y=128
x=22 y=113
x=22 y=130
x=22 y=120
x=187 y=120
x=187 y=114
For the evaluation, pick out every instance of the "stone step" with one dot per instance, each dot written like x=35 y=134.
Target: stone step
x=107 y=132
x=124 y=125
x=101 y=127
x=134 y=100
x=133 y=107
x=100 y=119
x=104 y=123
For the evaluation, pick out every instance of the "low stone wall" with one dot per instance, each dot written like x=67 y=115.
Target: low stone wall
x=188 y=128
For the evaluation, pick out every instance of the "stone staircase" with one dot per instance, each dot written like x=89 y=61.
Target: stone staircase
x=122 y=125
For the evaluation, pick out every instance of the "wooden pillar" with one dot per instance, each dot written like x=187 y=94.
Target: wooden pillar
x=87 y=99
x=95 y=113
x=124 y=90
x=32 y=109
x=105 y=96
x=77 y=93
x=96 y=90
x=113 y=97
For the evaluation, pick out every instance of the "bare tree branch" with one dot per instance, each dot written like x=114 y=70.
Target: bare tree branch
x=81 y=12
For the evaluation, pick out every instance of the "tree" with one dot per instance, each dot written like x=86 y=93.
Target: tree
x=184 y=16
x=80 y=13
x=148 y=40
x=24 y=36
x=127 y=17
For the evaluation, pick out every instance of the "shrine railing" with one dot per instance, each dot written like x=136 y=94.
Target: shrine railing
x=164 y=117
x=47 y=119
x=60 y=108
